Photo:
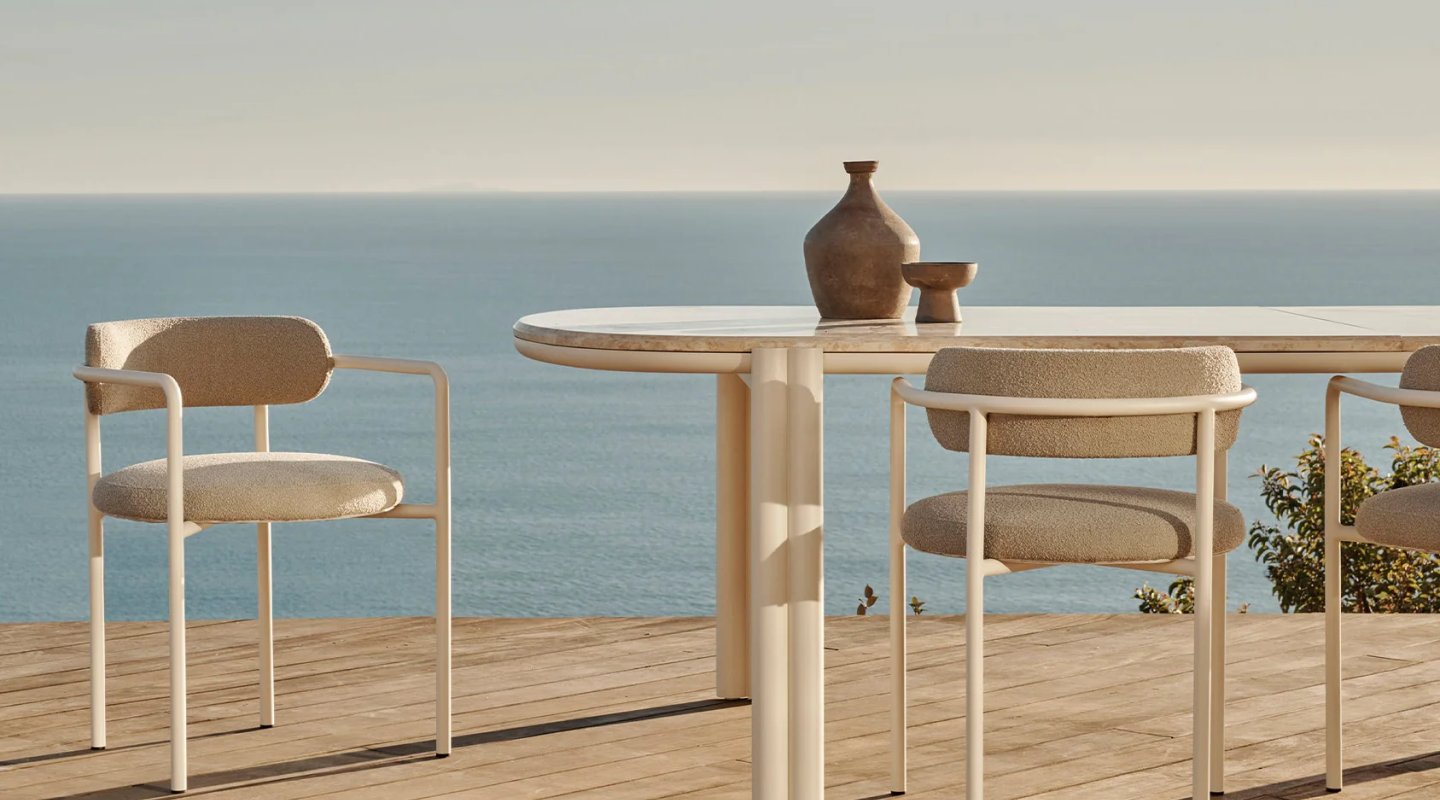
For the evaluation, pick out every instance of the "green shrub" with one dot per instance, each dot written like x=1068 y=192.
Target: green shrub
x=1376 y=579
x=1179 y=600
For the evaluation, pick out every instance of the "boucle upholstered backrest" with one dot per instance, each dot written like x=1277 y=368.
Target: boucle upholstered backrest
x=1176 y=372
x=218 y=361
x=1422 y=371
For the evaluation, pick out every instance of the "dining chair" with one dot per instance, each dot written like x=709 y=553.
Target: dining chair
x=1407 y=517
x=1072 y=404
x=188 y=362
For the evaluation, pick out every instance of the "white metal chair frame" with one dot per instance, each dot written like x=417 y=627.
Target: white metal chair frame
x=179 y=528
x=1335 y=533
x=1209 y=573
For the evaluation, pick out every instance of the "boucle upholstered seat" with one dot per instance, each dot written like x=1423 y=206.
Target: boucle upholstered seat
x=1072 y=404
x=1071 y=524
x=254 y=487
x=1408 y=517
x=177 y=363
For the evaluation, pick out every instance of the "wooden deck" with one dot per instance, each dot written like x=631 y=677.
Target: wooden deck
x=1078 y=707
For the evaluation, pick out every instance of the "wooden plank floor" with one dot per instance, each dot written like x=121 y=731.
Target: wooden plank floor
x=1077 y=707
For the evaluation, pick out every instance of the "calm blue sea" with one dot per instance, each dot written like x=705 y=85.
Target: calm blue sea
x=573 y=497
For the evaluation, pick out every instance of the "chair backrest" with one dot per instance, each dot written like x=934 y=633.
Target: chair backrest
x=218 y=361
x=1178 y=372
x=1422 y=371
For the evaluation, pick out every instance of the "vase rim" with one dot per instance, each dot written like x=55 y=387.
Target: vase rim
x=861 y=167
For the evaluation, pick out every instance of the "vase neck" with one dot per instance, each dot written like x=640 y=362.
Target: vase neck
x=861 y=189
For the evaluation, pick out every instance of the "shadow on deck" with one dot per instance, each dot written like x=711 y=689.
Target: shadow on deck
x=1078 y=706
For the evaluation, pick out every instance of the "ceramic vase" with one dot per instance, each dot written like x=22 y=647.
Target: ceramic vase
x=853 y=254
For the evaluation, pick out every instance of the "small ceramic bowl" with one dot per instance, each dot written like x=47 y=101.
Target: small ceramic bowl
x=937 y=282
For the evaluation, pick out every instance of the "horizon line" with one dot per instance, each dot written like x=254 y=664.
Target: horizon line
x=521 y=192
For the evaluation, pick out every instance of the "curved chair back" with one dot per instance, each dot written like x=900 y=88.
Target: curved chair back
x=218 y=361
x=1422 y=371
x=1178 y=372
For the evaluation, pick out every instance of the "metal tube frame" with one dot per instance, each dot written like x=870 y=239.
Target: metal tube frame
x=732 y=537
x=1335 y=534
x=264 y=592
x=1208 y=570
x=178 y=529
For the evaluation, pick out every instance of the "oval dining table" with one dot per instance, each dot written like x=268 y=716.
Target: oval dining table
x=770 y=363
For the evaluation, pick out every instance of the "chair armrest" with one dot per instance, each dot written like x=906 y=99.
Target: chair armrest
x=408 y=366
x=174 y=441
x=1073 y=407
x=405 y=366
x=1343 y=384
x=131 y=377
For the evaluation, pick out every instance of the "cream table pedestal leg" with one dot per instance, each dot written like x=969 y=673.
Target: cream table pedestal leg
x=1217 y=647
x=807 y=576
x=769 y=572
x=732 y=537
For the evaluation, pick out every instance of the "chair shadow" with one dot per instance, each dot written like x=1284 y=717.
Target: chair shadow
x=86 y=751
x=1314 y=785
x=369 y=758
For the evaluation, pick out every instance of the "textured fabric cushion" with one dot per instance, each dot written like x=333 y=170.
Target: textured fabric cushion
x=1070 y=524
x=218 y=361
x=254 y=487
x=1422 y=371
x=1408 y=517
x=1177 y=372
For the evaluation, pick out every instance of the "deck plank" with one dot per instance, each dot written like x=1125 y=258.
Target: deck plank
x=1078 y=706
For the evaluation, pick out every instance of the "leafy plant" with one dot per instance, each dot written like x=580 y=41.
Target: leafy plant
x=870 y=599
x=1179 y=600
x=867 y=601
x=1375 y=579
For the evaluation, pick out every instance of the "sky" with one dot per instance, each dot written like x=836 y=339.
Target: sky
x=694 y=95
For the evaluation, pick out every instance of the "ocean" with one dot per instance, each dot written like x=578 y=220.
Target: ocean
x=573 y=497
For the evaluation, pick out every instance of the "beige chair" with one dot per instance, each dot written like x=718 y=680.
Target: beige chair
x=239 y=361
x=1072 y=404
x=1408 y=517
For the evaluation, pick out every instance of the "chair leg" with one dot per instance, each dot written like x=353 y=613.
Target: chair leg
x=975 y=612
x=1203 y=704
x=1207 y=488
x=265 y=618
x=1217 y=679
x=974 y=685
x=178 y=755
x=1334 y=759
x=898 y=698
x=898 y=592
x=442 y=635
x=97 y=630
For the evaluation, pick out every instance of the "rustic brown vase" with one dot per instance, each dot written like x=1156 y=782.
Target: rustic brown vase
x=853 y=254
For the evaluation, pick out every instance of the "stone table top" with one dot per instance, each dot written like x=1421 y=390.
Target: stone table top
x=739 y=329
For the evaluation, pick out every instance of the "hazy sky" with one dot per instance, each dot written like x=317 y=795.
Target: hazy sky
x=356 y=95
